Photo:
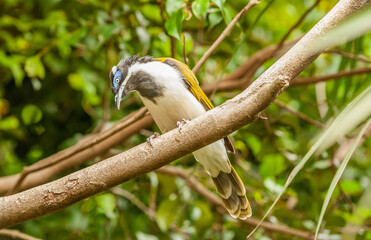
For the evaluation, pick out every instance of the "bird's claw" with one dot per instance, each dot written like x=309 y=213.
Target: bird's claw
x=150 y=138
x=180 y=124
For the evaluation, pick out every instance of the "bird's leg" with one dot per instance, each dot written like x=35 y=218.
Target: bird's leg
x=181 y=123
x=150 y=138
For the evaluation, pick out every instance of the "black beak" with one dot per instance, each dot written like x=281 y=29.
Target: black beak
x=119 y=96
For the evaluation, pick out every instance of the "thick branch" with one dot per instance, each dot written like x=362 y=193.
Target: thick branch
x=213 y=125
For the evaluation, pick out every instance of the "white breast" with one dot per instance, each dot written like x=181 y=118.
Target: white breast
x=177 y=102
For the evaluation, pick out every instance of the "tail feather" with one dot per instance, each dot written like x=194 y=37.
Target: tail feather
x=233 y=193
x=223 y=185
x=245 y=213
x=232 y=203
x=237 y=182
x=244 y=202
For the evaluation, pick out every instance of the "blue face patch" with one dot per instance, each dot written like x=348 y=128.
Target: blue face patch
x=117 y=78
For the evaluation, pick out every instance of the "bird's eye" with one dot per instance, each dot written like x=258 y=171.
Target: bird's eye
x=117 y=78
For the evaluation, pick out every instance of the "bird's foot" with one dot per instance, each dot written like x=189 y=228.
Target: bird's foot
x=180 y=124
x=154 y=135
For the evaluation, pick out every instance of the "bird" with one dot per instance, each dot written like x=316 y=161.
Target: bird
x=172 y=95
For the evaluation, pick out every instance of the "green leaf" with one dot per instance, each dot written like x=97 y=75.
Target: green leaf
x=351 y=187
x=107 y=202
x=202 y=215
x=31 y=114
x=106 y=31
x=14 y=63
x=34 y=67
x=18 y=74
x=166 y=213
x=74 y=39
x=174 y=23
x=219 y=3
x=272 y=165
x=227 y=15
x=253 y=142
x=214 y=19
x=199 y=8
x=76 y=81
x=174 y=5
x=9 y=123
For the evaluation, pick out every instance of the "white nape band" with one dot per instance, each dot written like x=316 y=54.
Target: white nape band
x=114 y=69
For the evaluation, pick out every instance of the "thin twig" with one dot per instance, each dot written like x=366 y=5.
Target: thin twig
x=348 y=55
x=299 y=114
x=300 y=20
x=300 y=81
x=224 y=34
x=129 y=196
x=15 y=234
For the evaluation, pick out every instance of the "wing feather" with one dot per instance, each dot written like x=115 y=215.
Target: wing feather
x=190 y=80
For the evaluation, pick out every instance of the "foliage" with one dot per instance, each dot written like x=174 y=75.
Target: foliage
x=54 y=62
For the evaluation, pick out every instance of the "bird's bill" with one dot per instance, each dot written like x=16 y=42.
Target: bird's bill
x=119 y=96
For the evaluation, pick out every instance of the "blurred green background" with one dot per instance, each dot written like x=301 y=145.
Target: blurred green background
x=55 y=57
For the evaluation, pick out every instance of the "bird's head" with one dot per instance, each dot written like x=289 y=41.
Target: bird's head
x=130 y=75
x=118 y=75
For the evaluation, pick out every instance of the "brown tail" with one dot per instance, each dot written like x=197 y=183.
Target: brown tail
x=233 y=193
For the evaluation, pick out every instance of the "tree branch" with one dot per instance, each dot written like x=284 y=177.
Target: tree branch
x=15 y=234
x=299 y=115
x=301 y=81
x=129 y=196
x=201 y=131
x=348 y=55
